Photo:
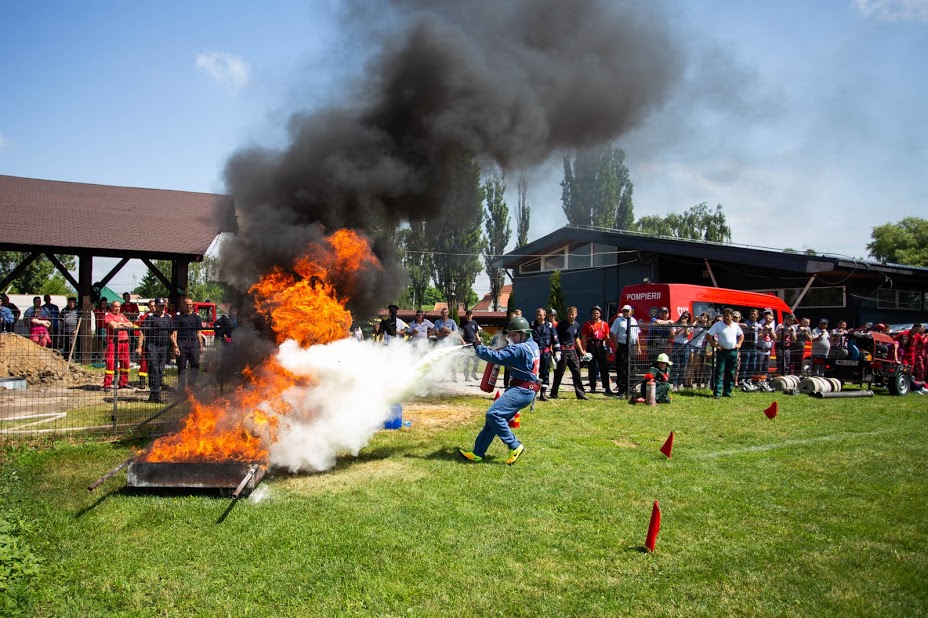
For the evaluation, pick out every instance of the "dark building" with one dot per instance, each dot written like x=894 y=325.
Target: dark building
x=596 y=264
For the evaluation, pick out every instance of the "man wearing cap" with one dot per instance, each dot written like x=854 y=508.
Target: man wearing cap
x=726 y=337
x=624 y=336
x=391 y=326
x=155 y=341
x=593 y=336
x=821 y=346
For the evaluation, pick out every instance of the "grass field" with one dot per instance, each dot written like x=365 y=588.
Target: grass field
x=821 y=511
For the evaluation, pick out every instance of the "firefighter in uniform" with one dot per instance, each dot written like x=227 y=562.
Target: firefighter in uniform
x=593 y=336
x=568 y=334
x=521 y=355
x=187 y=340
x=140 y=349
x=155 y=341
x=545 y=336
x=117 y=328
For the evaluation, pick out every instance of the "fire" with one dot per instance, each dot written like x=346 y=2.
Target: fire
x=302 y=304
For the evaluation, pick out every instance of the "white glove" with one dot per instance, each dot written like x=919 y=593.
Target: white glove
x=587 y=357
x=557 y=357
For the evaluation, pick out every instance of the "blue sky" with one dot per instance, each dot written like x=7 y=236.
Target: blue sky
x=805 y=120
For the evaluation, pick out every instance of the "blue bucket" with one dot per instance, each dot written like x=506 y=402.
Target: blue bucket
x=396 y=417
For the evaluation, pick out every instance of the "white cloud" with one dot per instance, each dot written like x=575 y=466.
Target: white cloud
x=4 y=142
x=230 y=71
x=893 y=10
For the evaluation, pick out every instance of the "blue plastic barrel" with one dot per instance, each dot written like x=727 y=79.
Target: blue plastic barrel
x=396 y=417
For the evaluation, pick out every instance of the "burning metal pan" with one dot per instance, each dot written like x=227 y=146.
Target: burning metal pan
x=242 y=477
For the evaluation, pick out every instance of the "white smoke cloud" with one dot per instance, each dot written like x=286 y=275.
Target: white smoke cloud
x=354 y=384
x=229 y=70
x=893 y=10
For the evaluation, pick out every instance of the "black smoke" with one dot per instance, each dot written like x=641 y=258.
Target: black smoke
x=511 y=82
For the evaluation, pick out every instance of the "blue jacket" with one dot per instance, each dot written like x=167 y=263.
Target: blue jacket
x=521 y=358
x=6 y=316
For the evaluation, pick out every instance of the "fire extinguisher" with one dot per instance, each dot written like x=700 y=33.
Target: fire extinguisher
x=650 y=392
x=488 y=383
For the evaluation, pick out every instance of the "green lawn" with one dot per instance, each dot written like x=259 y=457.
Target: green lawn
x=821 y=511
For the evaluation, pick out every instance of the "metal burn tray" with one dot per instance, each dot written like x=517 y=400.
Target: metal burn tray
x=232 y=475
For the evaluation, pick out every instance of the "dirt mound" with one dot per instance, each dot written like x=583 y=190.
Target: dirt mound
x=21 y=358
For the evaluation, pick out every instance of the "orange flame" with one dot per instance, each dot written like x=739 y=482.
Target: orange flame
x=303 y=305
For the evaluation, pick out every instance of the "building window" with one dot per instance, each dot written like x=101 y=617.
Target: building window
x=909 y=300
x=580 y=257
x=555 y=261
x=833 y=297
x=604 y=255
x=532 y=266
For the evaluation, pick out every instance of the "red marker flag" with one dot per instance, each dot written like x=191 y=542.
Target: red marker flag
x=497 y=396
x=653 y=528
x=772 y=410
x=668 y=445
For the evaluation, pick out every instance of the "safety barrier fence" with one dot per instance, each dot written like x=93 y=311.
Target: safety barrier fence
x=59 y=385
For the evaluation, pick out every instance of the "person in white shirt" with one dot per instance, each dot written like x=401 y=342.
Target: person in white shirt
x=726 y=337
x=821 y=346
x=624 y=336
x=420 y=328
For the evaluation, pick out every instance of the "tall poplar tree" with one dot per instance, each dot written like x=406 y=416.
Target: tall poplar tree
x=498 y=231
x=523 y=213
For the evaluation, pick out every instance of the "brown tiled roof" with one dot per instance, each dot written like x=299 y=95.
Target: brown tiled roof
x=58 y=216
x=487 y=301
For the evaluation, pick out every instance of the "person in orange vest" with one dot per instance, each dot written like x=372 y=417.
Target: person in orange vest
x=117 y=328
x=594 y=335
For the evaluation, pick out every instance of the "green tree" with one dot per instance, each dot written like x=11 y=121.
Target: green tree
x=457 y=241
x=417 y=258
x=203 y=281
x=597 y=188
x=498 y=232
x=511 y=303
x=905 y=242
x=556 y=298
x=40 y=277
x=150 y=286
x=696 y=223
x=523 y=213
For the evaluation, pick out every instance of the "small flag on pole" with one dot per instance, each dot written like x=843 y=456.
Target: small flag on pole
x=668 y=445
x=772 y=410
x=653 y=527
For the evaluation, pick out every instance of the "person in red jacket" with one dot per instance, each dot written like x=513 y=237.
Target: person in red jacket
x=118 y=328
x=594 y=336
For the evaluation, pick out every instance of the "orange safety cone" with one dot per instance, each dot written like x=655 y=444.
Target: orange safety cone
x=772 y=410
x=497 y=396
x=516 y=421
x=653 y=527
x=668 y=445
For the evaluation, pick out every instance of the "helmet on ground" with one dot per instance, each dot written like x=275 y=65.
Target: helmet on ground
x=663 y=358
x=519 y=324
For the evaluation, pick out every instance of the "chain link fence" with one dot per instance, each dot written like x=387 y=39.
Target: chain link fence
x=53 y=383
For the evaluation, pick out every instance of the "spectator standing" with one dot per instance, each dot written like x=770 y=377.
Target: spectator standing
x=726 y=339
x=69 y=318
x=696 y=372
x=681 y=333
x=920 y=341
x=839 y=340
x=6 y=319
x=420 y=328
x=36 y=306
x=786 y=337
x=143 y=357
x=39 y=325
x=545 y=337
x=470 y=333
x=803 y=338
x=391 y=327
x=659 y=332
x=568 y=334
x=188 y=340
x=14 y=311
x=443 y=329
x=821 y=346
x=593 y=336
x=552 y=316
x=52 y=313
x=624 y=337
x=154 y=345
x=766 y=337
x=129 y=308
x=117 y=327
x=748 y=360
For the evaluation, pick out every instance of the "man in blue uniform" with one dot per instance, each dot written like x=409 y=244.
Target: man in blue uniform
x=568 y=333
x=155 y=342
x=523 y=358
x=187 y=339
x=545 y=336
